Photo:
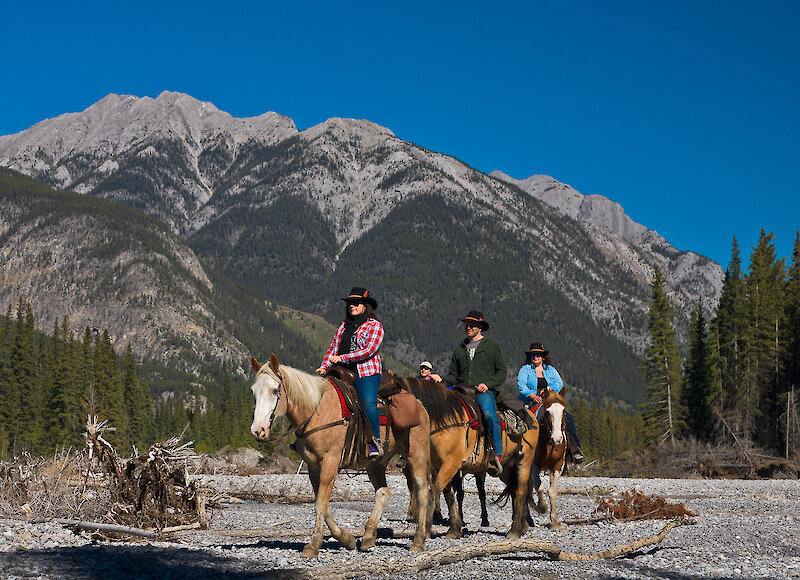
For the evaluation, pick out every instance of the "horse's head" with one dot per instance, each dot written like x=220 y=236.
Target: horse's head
x=270 y=395
x=554 y=412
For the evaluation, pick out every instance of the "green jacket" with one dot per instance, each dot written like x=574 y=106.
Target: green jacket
x=488 y=365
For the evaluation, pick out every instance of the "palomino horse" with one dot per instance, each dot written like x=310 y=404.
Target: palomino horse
x=312 y=405
x=457 y=446
x=550 y=453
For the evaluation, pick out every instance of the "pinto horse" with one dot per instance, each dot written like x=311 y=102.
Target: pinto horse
x=455 y=445
x=312 y=405
x=550 y=453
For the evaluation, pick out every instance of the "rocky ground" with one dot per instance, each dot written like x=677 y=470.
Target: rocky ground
x=743 y=529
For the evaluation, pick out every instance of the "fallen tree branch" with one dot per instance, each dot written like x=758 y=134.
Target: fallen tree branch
x=183 y=528
x=446 y=556
x=108 y=528
x=628 y=548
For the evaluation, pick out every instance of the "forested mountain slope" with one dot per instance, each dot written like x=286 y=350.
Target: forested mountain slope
x=103 y=265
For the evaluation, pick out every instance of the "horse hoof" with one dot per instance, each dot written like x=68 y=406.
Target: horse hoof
x=540 y=509
x=485 y=523
x=513 y=535
x=310 y=552
x=557 y=526
x=366 y=544
x=417 y=547
x=453 y=534
x=348 y=542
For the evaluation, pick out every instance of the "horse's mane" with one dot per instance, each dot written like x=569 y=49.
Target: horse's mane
x=442 y=404
x=304 y=390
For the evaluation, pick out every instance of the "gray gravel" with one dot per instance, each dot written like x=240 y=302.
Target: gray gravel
x=744 y=529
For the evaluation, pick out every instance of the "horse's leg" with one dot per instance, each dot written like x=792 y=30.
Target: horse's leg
x=541 y=505
x=554 y=523
x=377 y=476
x=418 y=451
x=311 y=550
x=523 y=467
x=457 y=484
x=456 y=522
x=480 y=483
x=413 y=506
x=327 y=475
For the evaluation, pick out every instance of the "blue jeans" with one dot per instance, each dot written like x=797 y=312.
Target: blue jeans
x=367 y=388
x=490 y=421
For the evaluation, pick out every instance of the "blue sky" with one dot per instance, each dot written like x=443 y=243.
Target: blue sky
x=686 y=112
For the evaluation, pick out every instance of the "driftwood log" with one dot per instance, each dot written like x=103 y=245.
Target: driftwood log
x=446 y=556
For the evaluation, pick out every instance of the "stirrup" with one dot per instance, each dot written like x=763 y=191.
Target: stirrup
x=495 y=467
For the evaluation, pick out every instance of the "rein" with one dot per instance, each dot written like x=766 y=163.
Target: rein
x=300 y=432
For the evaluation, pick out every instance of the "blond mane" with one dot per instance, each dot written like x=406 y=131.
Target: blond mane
x=302 y=389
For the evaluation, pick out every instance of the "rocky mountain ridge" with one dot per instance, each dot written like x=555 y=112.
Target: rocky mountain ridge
x=298 y=215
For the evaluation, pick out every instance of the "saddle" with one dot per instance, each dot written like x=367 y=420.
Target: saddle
x=342 y=373
x=359 y=432
x=397 y=405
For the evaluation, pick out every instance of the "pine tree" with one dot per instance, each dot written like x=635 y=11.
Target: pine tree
x=26 y=426
x=764 y=286
x=715 y=398
x=662 y=366
x=732 y=326
x=138 y=405
x=790 y=356
x=108 y=387
x=697 y=388
x=6 y=398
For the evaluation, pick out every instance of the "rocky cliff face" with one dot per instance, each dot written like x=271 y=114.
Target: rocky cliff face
x=691 y=277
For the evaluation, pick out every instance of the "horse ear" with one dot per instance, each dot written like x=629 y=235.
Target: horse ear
x=255 y=364
x=274 y=363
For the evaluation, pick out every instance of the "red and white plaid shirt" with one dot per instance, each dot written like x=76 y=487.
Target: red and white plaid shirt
x=369 y=337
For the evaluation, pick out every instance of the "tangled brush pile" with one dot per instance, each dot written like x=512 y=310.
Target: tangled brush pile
x=636 y=505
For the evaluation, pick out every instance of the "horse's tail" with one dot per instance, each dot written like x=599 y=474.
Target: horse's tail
x=513 y=480
x=512 y=468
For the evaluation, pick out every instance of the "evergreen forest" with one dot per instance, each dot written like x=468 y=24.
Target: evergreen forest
x=739 y=382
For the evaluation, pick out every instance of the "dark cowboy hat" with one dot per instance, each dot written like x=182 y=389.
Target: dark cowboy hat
x=475 y=318
x=537 y=348
x=358 y=294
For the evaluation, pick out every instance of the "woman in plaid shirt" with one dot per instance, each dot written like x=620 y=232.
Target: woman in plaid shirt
x=355 y=346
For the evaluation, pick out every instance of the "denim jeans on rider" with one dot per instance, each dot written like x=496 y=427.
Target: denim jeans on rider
x=490 y=421
x=367 y=388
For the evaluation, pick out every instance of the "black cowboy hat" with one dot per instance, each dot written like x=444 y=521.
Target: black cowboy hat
x=475 y=318
x=358 y=294
x=537 y=348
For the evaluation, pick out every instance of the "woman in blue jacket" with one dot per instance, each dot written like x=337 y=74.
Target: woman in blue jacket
x=536 y=375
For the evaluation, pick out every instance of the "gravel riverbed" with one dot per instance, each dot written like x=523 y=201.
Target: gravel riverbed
x=744 y=529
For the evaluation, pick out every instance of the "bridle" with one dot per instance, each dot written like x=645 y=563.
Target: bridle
x=280 y=389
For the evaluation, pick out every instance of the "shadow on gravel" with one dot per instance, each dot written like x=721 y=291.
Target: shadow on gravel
x=646 y=572
x=133 y=562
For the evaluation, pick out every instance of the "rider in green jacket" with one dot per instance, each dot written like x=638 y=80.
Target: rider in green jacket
x=478 y=361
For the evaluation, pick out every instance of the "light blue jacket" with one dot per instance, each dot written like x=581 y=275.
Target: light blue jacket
x=527 y=381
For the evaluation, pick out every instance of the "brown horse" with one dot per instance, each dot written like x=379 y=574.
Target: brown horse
x=457 y=446
x=312 y=405
x=550 y=453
